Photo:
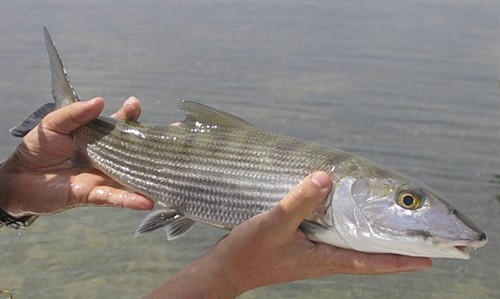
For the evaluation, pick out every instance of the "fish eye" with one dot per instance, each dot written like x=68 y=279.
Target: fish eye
x=409 y=200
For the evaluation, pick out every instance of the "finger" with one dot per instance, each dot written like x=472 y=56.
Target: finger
x=92 y=187
x=131 y=110
x=392 y=263
x=70 y=117
x=355 y=262
x=299 y=203
x=109 y=196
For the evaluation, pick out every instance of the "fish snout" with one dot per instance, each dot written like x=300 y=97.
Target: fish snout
x=481 y=241
x=483 y=237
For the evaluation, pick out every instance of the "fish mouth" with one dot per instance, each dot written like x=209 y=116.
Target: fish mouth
x=461 y=249
x=464 y=251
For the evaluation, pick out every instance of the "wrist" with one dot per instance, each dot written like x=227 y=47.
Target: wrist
x=7 y=172
x=7 y=218
x=4 y=190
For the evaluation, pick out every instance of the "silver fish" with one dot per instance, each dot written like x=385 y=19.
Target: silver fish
x=218 y=169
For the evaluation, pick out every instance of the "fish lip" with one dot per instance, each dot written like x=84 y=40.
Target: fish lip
x=459 y=248
x=465 y=243
x=463 y=251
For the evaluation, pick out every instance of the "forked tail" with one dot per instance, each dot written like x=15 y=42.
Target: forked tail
x=62 y=91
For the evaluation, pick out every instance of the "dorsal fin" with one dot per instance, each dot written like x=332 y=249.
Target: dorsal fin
x=199 y=113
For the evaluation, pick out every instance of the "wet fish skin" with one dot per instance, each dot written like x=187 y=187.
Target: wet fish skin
x=196 y=169
x=218 y=169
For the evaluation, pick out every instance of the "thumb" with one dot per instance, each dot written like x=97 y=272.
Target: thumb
x=301 y=201
x=71 y=117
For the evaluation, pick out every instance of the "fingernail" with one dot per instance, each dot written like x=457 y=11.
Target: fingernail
x=321 y=179
x=130 y=100
x=93 y=101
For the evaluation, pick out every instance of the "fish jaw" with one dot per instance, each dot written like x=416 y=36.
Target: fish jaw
x=409 y=246
x=458 y=249
x=430 y=247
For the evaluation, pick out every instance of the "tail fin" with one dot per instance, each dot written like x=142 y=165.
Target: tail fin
x=31 y=121
x=62 y=91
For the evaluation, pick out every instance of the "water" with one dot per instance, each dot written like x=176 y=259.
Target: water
x=412 y=86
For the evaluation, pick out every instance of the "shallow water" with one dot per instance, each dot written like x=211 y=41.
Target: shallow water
x=414 y=87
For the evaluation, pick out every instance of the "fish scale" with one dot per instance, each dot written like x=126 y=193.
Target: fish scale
x=237 y=178
x=218 y=169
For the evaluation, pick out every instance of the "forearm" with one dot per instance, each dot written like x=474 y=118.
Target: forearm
x=206 y=277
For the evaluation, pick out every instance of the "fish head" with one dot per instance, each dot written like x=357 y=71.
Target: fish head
x=388 y=213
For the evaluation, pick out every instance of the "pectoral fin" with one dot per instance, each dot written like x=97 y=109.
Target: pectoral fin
x=309 y=227
x=175 y=223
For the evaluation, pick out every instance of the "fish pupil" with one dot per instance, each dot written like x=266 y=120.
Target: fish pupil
x=408 y=200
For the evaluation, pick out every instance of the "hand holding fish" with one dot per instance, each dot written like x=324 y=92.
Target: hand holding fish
x=216 y=168
x=267 y=249
x=37 y=178
x=270 y=249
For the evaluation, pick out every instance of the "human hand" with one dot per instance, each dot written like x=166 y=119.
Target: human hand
x=271 y=249
x=37 y=178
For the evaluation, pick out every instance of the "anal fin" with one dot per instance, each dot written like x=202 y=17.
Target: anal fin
x=175 y=223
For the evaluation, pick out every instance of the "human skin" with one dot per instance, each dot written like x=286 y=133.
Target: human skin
x=271 y=249
x=37 y=178
x=267 y=249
